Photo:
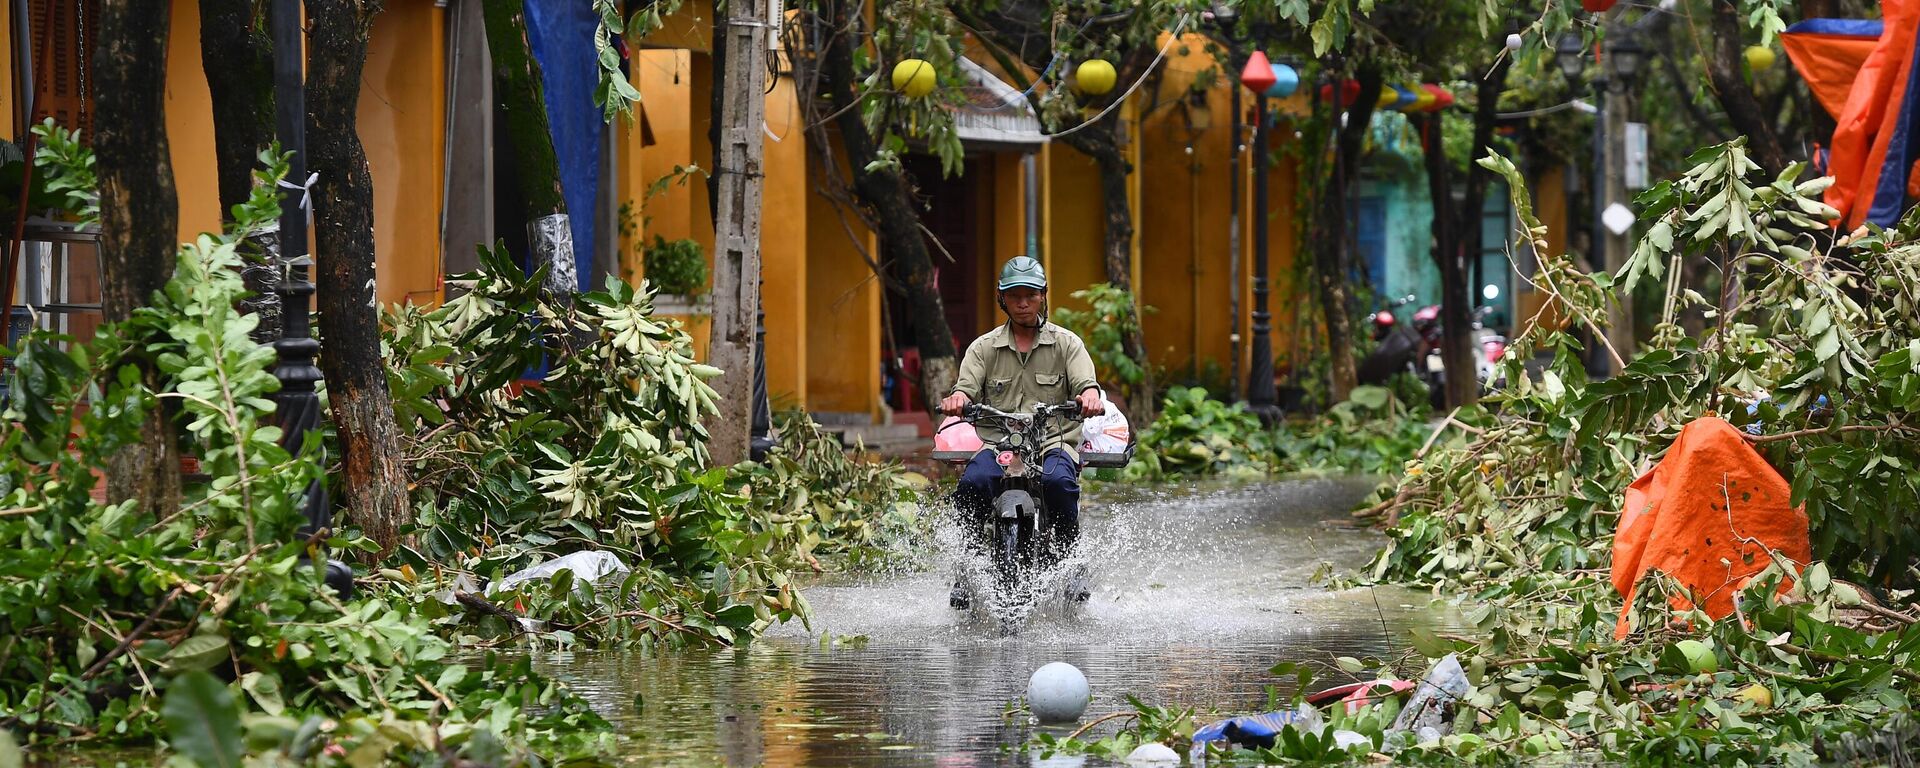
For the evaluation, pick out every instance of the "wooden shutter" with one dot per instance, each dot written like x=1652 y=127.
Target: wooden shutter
x=62 y=39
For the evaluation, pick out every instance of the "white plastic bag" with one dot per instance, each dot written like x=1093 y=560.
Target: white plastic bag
x=1107 y=432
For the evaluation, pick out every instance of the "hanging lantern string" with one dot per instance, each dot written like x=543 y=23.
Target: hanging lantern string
x=1137 y=82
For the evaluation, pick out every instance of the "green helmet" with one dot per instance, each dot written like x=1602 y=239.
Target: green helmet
x=1023 y=271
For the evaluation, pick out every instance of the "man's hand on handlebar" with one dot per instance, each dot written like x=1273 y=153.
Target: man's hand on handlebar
x=1090 y=404
x=954 y=403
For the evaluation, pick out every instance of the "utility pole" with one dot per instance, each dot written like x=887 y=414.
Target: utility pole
x=736 y=283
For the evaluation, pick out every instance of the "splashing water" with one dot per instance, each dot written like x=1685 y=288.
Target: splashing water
x=1197 y=591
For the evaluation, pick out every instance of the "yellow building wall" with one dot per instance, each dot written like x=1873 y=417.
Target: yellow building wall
x=1077 y=226
x=401 y=119
x=7 y=100
x=190 y=125
x=843 y=314
x=402 y=122
x=783 y=246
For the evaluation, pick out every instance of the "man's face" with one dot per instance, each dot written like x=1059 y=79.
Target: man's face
x=1024 y=304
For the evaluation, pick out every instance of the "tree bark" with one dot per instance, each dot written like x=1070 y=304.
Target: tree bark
x=1730 y=85
x=236 y=52
x=516 y=84
x=886 y=193
x=736 y=284
x=374 y=484
x=139 y=218
x=1457 y=235
x=1330 y=253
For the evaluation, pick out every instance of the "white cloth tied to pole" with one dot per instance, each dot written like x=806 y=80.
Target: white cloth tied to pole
x=306 y=190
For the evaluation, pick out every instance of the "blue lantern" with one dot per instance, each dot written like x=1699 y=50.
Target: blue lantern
x=1285 y=82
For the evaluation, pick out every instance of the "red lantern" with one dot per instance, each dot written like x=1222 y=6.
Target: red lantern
x=1442 y=98
x=1597 y=6
x=1257 y=76
x=1349 y=92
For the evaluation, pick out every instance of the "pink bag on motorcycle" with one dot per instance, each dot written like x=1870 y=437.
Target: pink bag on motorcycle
x=956 y=434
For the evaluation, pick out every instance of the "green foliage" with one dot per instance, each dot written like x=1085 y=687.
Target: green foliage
x=1172 y=726
x=677 y=267
x=1105 y=325
x=607 y=452
x=116 y=621
x=843 y=506
x=69 y=167
x=1372 y=433
x=1199 y=436
x=614 y=94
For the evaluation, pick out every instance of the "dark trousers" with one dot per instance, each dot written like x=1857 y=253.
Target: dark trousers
x=1060 y=489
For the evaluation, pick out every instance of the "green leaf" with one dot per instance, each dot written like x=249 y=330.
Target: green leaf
x=202 y=720
x=264 y=687
x=196 y=653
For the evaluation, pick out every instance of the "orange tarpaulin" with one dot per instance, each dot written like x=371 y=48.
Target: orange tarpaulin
x=1829 y=62
x=1706 y=515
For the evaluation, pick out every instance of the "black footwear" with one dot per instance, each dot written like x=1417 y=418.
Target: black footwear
x=959 y=599
x=1079 y=585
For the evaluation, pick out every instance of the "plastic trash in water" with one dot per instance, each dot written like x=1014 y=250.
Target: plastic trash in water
x=1434 y=701
x=594 y=566
x=1260 y=731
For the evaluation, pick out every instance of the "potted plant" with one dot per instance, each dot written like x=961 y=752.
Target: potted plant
x=678 y=270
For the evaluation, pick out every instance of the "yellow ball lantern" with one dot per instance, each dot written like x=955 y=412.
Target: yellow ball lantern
x=914 y=77
x=1759 y=57
x=1095 y=77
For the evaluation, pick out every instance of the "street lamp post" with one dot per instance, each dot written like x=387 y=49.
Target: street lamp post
x=297 y=402
x=1258 y=77
x=1612 y=86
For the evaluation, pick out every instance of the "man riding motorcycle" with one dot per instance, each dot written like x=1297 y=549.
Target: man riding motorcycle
x=1025 y=362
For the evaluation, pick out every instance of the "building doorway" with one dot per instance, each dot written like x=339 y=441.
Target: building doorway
x=958 y=233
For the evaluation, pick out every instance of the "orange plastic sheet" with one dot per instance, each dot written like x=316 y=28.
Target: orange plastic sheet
x=1829 y=60
x=1870 y=120
x=1707 y=515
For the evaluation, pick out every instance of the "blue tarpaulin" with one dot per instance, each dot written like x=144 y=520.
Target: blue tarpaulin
x=561 y=34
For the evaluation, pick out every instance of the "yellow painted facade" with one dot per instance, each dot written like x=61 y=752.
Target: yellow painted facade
x=825 y=324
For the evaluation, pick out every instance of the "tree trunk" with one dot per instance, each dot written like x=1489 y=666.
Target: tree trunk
x=885 y=191
x=1330 y=254
x=1735 y=93
x=236 y=53
x=736 y=283
x=1101 y=142
x=1456 y=304
x=374 y=484
x=1454 y=352
x=139 y=217
x=516 y=84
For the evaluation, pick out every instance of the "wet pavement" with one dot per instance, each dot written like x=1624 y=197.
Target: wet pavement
x=1198 y=592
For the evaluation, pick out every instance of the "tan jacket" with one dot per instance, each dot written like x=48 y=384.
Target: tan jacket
x=1057 y=370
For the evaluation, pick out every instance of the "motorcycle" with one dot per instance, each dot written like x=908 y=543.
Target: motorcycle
x=1400 y=346
x=1017 y=534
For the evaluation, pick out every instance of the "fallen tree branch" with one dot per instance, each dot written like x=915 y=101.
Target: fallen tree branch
x=1799 y=433
x=1077 y=732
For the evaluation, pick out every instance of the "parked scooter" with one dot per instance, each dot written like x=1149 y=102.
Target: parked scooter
x=1400 y=346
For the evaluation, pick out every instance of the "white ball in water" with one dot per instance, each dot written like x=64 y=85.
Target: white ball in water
x=1513 y=41
x=1058 y=693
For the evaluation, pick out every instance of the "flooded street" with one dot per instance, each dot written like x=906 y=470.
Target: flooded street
x=1197 y=594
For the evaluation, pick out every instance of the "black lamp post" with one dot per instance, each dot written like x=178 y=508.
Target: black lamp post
x=298 y=402
x=1261 y=395
x=1618 y=73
